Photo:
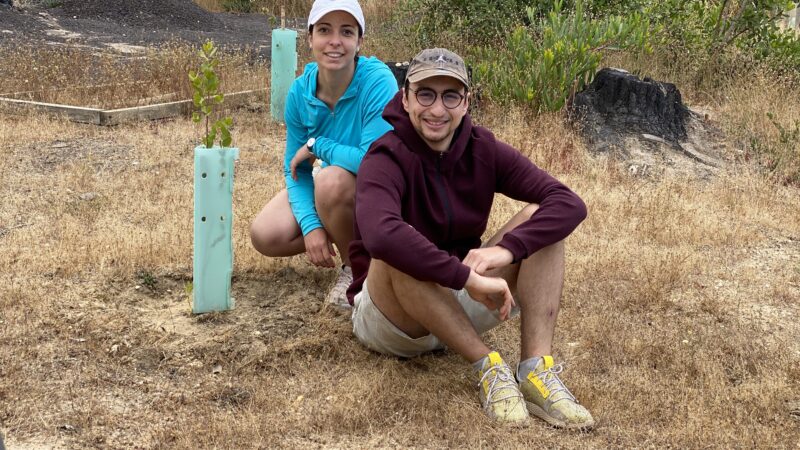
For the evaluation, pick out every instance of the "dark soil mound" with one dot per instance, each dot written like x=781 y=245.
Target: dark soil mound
x=175 y=14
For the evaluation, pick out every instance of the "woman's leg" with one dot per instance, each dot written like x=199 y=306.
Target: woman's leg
x=334 y=196
x=274 y=231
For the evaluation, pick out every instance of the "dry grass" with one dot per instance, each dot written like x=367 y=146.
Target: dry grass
x=679 y=321
x=74 y=76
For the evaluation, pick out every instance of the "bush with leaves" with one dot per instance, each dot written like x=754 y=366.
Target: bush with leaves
x=557 y=55
x=458 y=24
x=207 y=95
x=692 y=28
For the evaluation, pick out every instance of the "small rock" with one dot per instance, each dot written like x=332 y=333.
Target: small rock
x=67 y=427
x=88 y=196
x=217 y=369
x=59 y=145
x=653 y=138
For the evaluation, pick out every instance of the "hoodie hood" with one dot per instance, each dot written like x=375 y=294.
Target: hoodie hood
x=396 y=115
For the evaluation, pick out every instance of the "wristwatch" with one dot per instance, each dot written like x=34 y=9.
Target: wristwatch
x=310 y=145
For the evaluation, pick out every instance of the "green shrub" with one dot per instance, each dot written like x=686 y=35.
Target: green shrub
x=459 y=24
x=557 y=55
x=693 y=28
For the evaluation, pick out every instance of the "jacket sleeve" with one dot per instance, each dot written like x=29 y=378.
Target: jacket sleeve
x=560 y=210
x=300 y=191
x=380 y=186
x=372 y=99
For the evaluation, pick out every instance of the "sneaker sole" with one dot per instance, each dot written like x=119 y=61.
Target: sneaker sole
x=537 y=411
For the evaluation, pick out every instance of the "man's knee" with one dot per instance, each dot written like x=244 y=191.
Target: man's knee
x=334 y=186
x=528 y=211
x=384 y=276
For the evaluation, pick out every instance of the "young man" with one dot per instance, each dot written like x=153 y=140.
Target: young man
x=422 y=280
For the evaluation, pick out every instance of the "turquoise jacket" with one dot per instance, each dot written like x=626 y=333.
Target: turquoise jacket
x=342 y=135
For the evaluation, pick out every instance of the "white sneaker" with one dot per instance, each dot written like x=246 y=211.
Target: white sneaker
x=338 y=294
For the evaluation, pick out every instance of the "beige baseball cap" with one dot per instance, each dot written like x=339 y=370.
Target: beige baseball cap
x=434 y=62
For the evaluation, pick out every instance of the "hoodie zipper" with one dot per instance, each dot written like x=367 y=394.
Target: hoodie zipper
x=448 y=209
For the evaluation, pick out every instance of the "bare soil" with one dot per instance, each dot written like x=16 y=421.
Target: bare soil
x=124 y=27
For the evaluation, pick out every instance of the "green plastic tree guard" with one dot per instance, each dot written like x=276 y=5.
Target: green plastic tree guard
x=284 y=66
x=213 y=220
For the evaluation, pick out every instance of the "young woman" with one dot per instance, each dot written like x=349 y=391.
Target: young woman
x=333 y=113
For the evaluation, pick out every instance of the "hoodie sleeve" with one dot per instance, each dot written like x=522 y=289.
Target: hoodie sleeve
x=378 y=89
x=300 y=191
x=560 y=210
x=380 y=187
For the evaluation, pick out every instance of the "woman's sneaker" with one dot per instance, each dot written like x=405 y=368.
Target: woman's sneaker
x=548 y=399
x=338 y=294
x=499 y=392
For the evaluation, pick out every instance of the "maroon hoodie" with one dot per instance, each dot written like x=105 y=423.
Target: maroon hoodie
x=421 y=211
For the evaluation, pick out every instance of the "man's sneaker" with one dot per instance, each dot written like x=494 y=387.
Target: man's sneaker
x=338 y=294
x=548 y=399
x=499 y=392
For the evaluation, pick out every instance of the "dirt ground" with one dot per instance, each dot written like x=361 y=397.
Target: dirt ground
x=126 y=27
x=679 y=323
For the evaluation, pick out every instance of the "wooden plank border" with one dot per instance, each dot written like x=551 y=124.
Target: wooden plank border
x=118 y=116
x=73 y=113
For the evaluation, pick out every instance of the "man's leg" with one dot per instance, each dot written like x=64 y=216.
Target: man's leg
x=536 y=283
x=539 y=280
x=419 y=308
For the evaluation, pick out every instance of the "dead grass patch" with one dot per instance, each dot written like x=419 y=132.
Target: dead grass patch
x=78 y=77
x=679 y=321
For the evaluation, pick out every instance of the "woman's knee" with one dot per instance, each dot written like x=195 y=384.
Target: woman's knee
x=261 y=238
x=334 y=186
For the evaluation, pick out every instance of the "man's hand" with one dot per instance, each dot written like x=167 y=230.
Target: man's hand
x=301 y=155
x=482 y=260
x=319 y=249
x=492 y=292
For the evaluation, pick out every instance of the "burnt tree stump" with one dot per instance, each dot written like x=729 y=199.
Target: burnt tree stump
x=618 y=103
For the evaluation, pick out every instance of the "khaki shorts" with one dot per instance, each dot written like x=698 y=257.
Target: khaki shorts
x=377 y=333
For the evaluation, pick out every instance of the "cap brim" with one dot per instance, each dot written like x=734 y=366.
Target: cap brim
x=436 y=72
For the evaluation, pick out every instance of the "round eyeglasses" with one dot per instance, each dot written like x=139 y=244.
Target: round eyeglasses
x=427 y=97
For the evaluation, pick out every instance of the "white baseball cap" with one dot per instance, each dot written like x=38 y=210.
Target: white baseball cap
x=322 y=7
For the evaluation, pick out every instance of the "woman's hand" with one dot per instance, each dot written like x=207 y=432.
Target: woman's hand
x=319 y=249
x=301 y=155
